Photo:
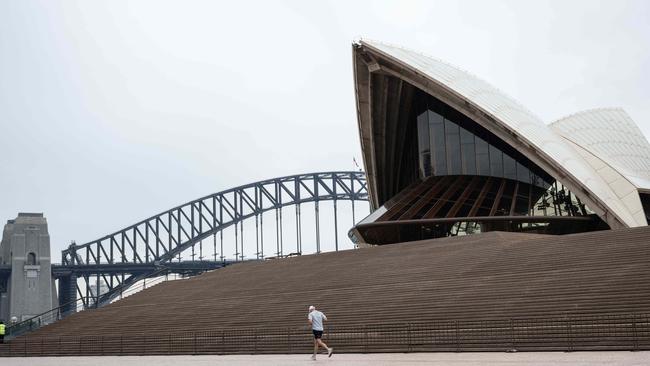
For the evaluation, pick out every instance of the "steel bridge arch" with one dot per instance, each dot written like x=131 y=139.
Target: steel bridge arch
x=161 y=238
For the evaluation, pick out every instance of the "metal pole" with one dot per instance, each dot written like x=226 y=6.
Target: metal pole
x=235 y=219
x=97 y=292
x=241 y=239
x=241 y=226
x=178 y=232
x=170 y=236
x=512 y=334
x=354 y=221
x=214 y=226
x=86 y=280
x=221 y=223
x=298 y=234
x=236 y=244
x=262 y=235
x=192 y=228
x=635 y=333
x=568 y=332
x=257 y=237
x=277 y=233
x=289 y=340
x=281 y=236
x=317 y=228
x=409 y=340
x=365 y=338
x=214 y=246
x=336 y=228
x=221 y=238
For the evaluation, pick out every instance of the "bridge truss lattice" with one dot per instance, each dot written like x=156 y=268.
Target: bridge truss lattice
x=135 y=252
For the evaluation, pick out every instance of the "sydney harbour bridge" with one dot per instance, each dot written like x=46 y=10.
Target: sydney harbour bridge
x=189 y=239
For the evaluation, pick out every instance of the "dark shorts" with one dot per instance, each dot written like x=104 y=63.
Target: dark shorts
x=317 y=334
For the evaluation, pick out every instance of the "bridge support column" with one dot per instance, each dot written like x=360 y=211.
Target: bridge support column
x=68 y=294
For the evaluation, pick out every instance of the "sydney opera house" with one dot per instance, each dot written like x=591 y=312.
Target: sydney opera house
x=448 y=154
x=558 y=259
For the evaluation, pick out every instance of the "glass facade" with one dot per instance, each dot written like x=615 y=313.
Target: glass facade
x=463 y=179
x=451 y=144
x=446 y=148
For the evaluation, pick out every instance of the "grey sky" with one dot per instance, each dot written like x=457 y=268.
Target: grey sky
x=113 y=111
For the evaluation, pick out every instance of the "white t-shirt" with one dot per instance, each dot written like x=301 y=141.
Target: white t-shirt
x=316 y=318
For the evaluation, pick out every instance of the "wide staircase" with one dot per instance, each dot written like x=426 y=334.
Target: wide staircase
x=492 y=291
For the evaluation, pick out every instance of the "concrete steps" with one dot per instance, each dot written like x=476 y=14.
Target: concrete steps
x=493 y=291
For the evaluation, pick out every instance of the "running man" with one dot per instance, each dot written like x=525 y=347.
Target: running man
x=316 y=319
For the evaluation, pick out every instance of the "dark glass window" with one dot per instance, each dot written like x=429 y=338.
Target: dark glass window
x=450 y=143
x=496 y=162
x=452 y=134
x=423 y=145
x=539 y=181
x=468 y=152
x=523 y=174
x=482 y=157
x=509 y=167
x=437 y=138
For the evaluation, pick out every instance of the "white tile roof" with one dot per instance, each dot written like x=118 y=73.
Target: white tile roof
x=610 y=134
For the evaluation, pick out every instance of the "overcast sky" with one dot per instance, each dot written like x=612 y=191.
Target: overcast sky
x=112 y=111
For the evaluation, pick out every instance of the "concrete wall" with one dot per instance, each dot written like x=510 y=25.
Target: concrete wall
x=26 y=247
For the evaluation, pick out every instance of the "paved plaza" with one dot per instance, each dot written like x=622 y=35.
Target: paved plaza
x=400 y=359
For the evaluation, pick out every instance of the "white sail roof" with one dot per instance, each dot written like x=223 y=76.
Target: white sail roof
x=519 y=121
x=611 y=135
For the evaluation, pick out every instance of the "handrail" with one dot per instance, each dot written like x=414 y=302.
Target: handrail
x=628 y=331
x=31 y=320
x=54 y=314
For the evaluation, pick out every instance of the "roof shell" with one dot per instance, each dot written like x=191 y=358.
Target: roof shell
x=520 y=122
x=624 y=189
x=611 y=135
